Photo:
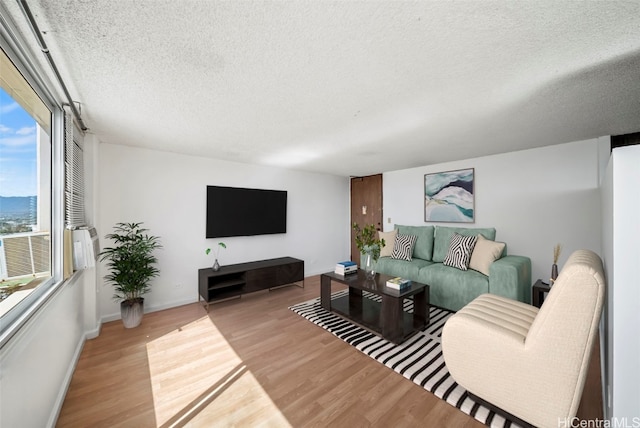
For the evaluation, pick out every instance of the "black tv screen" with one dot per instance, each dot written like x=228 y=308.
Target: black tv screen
x=235 y=211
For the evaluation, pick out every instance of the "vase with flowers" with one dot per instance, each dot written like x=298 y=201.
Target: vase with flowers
x=369 y=246
x=216 y=265
x=554 y=267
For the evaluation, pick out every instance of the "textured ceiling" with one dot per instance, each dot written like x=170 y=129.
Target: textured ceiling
x=346 y=87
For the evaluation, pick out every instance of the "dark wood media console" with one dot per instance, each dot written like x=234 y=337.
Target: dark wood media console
x=236 y=280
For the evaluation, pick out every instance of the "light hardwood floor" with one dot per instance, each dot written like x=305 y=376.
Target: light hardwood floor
x=248 y=362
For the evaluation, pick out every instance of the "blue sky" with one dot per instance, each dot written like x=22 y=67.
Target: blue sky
x=18 y=149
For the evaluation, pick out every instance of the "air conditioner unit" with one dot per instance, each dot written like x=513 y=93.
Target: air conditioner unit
x=86 y=248
x=24 y=254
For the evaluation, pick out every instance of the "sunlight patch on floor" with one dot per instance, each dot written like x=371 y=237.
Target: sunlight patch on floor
x=203 y=382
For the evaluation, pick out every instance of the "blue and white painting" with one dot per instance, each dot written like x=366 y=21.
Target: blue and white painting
x=448 y=196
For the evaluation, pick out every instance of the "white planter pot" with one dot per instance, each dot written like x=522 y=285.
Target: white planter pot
x=131 y=312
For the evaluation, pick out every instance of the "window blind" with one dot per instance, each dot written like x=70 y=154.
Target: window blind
x=74 y=176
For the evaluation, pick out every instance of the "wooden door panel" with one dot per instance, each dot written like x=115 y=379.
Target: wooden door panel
x=366 y=206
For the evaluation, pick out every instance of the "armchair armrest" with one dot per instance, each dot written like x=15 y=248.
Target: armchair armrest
x=510 y=277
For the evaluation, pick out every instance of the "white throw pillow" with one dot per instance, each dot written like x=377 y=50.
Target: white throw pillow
x=485 y=253
x=389 y=242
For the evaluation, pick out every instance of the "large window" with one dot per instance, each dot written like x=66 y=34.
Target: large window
x=25 y=201
x=29 y=237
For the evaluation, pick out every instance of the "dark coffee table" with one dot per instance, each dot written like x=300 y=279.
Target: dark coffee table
x=387 y=319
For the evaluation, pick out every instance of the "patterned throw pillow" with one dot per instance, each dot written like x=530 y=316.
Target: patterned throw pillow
x=460 y=249
x=403 y=247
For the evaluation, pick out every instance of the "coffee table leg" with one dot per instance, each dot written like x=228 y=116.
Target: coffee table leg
x=325 y=292
x=392 y=319
x=421 y=310
x=355 y=302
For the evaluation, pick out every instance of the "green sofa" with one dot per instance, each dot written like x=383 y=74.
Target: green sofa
x=452 y=288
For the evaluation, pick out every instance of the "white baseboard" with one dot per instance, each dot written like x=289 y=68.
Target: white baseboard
x=53 y=418
x=116 y=316
x=92 y=334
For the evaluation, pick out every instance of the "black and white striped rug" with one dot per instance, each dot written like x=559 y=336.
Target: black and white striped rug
x=418 y=359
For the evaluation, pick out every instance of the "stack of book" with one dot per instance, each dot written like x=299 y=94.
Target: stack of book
x=345 y=268
x=398 y=283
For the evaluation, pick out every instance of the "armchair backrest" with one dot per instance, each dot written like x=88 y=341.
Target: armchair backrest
x=565 y=328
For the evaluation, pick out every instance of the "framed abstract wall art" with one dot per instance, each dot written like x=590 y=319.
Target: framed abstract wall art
x=448 y=196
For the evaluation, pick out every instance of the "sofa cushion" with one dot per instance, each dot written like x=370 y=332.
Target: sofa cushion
x=403 y=247
x=459 y=252
x=401 y=268
x=389 y=242
x=484 y=254
x=424 y=242
x=452 y=288
x=443 y=238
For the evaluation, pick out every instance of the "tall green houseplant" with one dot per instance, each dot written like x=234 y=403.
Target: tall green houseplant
x=132 y=265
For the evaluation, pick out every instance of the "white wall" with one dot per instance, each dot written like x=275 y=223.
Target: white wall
x=534 y=198
x=606 y=193
x=38 y=362
x=621 y=232
x=167 y=192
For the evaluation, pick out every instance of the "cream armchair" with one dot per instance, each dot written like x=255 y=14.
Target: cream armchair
x=528 y=362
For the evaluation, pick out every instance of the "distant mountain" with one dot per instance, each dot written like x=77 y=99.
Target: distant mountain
x=12 y=205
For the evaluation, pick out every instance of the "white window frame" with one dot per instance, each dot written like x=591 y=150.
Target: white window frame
x=13 y=320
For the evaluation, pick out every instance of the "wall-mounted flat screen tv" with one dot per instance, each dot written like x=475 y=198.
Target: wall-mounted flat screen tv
x=236 y=211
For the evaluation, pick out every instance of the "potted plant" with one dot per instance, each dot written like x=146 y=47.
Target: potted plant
x=216 y=265
x=131 y=263
x=369 y=245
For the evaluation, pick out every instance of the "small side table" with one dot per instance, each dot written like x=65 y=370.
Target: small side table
x=537 y=292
